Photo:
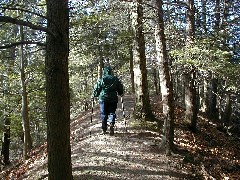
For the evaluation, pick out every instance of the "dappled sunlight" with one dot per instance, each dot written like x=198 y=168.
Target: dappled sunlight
x=137 y=153
x=126 y=157
x=211 y=149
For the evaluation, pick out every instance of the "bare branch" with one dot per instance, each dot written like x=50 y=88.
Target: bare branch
x=8 y=19
x=22 y=42
x=24 y=10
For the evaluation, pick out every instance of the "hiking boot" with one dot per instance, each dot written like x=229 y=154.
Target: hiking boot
x=111 y=130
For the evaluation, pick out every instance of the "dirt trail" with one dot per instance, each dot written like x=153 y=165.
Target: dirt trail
x=126 y=155
x=134 y=154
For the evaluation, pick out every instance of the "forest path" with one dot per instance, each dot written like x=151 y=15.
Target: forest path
x=134 y=154
x=126 y=155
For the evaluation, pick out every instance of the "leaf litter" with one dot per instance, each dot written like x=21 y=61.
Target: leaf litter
x=137 y=154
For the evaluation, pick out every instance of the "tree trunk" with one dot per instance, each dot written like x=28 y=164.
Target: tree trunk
x=130 y=49
x=179 y=89
x=100 y=68
x=190 y=22
x=226 y=116
x=156 y=80
x=217 y=16
x=203 y=95
x=100 y=52
x=27 y=144
x=7 y=118
x=211 y=99
x=204 y=17
x=131 y=68
x=190 y=88
x=57 y=91
x=142 y=108
x=6 y=141
x=165 y=80
x=191 y=104
x=225 y=26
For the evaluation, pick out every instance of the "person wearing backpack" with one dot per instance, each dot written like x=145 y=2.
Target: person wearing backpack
x=107 y=89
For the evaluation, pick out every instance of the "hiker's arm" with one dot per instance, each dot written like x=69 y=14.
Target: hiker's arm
x=120 y=88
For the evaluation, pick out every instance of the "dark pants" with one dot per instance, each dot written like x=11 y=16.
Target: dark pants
x=107 y=113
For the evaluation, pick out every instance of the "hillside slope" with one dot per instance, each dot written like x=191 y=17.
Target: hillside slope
x=136 y=154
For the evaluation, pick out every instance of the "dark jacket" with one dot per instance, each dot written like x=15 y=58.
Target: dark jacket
x=108 y=87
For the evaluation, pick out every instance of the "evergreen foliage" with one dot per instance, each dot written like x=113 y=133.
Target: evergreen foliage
x=102 y=30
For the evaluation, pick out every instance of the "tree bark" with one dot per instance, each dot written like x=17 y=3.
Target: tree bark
x=57 y=91
x=190 y=86
x=203 y=95
x=226 y=115
x=217 y=16
x=27 y=144
x=191 y=102
x=165 y=80
x=204 y=17
x=190 y=22
x=7 y=117
x=100 y=67
x=101 y=63
x=156 y=80
x=8 y=19
x=131 y=68
x=130 y=49
x=6 y=141
x=142 y=108
x=211 y=99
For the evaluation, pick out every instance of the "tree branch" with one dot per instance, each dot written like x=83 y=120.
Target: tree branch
x=24 y=10
x=22 y=42
x=8 y=19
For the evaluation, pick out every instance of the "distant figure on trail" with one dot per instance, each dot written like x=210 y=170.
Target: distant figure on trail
x=107 y=90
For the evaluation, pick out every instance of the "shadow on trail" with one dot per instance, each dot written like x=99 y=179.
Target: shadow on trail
x=129 y=173
x=126 y=155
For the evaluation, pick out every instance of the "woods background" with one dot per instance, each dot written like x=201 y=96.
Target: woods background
x=188 y=48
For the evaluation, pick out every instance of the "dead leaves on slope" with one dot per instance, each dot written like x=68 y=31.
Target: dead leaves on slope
x=212 y=153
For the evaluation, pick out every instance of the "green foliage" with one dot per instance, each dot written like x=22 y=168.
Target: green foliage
x=207 y=57
x=97 y=32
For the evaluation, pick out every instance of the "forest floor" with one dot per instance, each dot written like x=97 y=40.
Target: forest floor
x=137 y=154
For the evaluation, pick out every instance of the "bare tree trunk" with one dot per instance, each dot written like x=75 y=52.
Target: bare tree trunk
x=100 y=53
x=211 y=98
x=156 y=80
x=25 y=117
x=7 y=117
x=142 y=108
x=203 y=95
x=226 y=115
x=6 y=128
x=217 y=15
x=57 y=91
x=6 y=140
x=204 y=17
x=130 y=49
x=190 y=87
x=190 y=22
x=131 y=68
x=165 y=80
x=100 y=68
x=191 y=100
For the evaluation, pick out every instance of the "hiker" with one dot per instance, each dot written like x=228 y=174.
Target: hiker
x=107 y=90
